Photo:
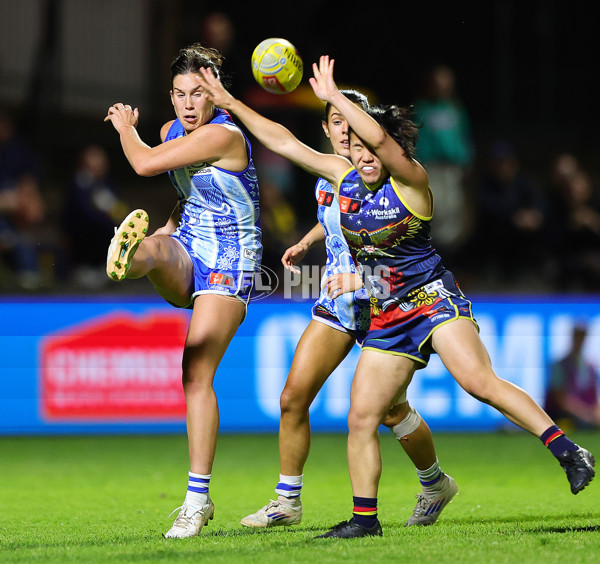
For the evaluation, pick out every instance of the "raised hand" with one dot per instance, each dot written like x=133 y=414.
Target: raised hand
x=322 y=82
x=214 y=90
x=121 y=114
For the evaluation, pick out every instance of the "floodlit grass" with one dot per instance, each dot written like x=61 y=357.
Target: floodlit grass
x=107 y=499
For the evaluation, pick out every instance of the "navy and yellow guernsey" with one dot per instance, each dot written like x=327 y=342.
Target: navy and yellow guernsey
x=388 y=239
x=401 y=270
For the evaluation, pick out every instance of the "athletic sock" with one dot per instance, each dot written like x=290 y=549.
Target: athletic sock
x=289 y=487
x=557 y=441
x=430 y=478
x=365 y=511
x=197 y=490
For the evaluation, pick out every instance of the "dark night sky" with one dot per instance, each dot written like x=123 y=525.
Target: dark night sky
x=523 y=68
x=526 y=69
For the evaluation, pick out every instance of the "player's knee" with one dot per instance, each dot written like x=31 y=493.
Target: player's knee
x=198 y=365
x=197 y=382
x=397 y=413
x=363 y=420
x=294 y=401
x=484 y=388
x=408 y=424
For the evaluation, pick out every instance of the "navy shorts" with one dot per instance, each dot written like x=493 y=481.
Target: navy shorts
x=405 y=327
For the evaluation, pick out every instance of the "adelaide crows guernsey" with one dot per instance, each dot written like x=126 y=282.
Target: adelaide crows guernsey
x=219 y=209
x=389 y=240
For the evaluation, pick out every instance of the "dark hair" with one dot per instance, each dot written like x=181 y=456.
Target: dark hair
x=192 y=58
x=397 y=122
x=352 y=95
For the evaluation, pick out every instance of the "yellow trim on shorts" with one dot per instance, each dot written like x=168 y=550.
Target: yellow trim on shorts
x=395 y=353
x=456 y=316
x=422 y=217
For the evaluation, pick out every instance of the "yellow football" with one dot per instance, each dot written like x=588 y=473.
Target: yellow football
x=276 y=65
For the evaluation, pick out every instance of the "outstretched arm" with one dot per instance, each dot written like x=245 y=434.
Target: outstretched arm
x=404 y=170
x=273 y=135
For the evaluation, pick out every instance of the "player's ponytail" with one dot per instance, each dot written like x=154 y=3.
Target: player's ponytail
x=398 y=123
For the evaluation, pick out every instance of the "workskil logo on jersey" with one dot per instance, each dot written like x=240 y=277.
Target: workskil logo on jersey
x=392 y=213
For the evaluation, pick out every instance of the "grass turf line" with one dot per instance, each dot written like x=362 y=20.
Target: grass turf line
x=106 y=499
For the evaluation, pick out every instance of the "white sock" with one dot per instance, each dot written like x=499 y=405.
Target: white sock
x=430 y=478
x=197 y=490
x=289 y=487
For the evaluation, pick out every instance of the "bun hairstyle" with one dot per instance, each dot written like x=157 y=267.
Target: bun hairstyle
x=192 y=58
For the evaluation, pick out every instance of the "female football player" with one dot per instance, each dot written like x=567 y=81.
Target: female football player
x=206 y=255
x=329 y=337
x=386 y=205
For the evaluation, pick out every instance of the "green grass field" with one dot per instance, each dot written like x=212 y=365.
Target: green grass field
x=107 y=499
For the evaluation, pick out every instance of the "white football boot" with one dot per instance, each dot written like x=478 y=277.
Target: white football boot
x=125 y=243
x=277 y=513
x=190 y=520
x=431 y=503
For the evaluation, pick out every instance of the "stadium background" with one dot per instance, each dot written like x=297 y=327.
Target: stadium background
x=69 y=361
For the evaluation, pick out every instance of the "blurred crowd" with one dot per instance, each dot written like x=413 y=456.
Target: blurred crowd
x=498 y=225
x=572 y=398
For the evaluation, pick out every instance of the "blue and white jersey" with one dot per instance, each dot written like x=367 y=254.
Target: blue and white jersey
x=219 y=209
x=346 y=307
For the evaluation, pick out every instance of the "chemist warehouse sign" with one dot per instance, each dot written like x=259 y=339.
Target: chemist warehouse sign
x=119 y=366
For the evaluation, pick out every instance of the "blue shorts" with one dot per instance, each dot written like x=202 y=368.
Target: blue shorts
x=405 y=327
x=236 y=283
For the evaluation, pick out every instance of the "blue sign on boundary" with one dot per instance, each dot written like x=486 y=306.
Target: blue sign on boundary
x=523 y=334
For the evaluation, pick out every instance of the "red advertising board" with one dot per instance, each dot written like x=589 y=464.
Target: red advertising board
x=118 y=366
